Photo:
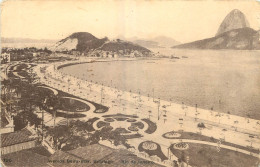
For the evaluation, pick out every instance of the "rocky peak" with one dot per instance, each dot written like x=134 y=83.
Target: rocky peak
x=234 y=20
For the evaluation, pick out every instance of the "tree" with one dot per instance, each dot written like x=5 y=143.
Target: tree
x=164 y=118
x=248 y=117
x=149 y=113
x=60 y=135
x=201 y=125
x=53 y=103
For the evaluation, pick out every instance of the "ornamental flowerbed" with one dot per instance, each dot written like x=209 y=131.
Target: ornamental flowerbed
x=171 y=135
x=152 y=148
x=140 y=125
x=133 y=128
x=151 y=126
x=101 y=124
x=109 y=120
x=207 y=155
x=72 y=105
x=131 y=120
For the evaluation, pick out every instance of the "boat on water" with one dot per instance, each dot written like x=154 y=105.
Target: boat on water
x=174 y=57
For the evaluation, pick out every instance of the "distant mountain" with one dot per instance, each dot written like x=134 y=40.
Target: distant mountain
x=234 y=20
x=117 y=45
x=79 y=41
x=147 y=44
x=26 y=40
x=165 y=41
x=243 y=38
x=233 y=33
x=156 y=42
x=86 y=43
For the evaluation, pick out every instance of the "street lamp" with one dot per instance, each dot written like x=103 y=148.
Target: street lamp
x=158 y=108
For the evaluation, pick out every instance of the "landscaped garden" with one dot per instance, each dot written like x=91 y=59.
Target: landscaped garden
x=98 y=107
x=73 y=105
x=205 y=155
x=101 y=124
x=135 y=125
x=200 y=137
x=152 y=149
x=151 y=126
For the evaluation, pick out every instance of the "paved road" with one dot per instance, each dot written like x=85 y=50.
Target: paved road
x=129 y=103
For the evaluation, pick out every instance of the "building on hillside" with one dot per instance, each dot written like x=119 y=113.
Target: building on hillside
x=36 y=54
x=5 y=58
x=105 y=54
x=111 y=55
x=17 y=141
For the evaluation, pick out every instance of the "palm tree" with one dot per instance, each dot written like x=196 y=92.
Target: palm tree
x=248 y=117
x=165 y=111
x=228 y=114
x=164 y=118
x=68 y=84
x=54 y=103
x=149 y=114
x=78 y=84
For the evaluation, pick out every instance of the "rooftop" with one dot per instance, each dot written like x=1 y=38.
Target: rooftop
x=37 y=156
x=8 y=139
x=102 y=155
x=4 y=121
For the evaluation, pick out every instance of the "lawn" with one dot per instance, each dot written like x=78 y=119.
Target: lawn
x=204 y=155
x=90 y=122
x=98 y=107
x=152 y=148
x=196 y=136
x=140 y=125
x=101 y=124
x=151 y=126
x=72 y=105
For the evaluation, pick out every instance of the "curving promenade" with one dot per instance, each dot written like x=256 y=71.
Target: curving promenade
x=135 y=104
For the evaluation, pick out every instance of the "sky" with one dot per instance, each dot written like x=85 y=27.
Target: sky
x=183 y=21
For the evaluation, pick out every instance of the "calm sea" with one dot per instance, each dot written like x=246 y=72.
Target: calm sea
x=228 y=81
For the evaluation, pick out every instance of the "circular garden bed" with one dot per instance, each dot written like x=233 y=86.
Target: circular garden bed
x=181 y=146
x=171 y=135
x=152 y=148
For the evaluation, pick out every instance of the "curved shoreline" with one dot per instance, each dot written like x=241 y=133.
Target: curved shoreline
x=55 y=76
x=167 y=88
x=204 y=116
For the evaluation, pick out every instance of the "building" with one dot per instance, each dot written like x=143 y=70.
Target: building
x=37 y=156
x=7 y=122
x=17 y=141
x=97 y=155
x=5 y=58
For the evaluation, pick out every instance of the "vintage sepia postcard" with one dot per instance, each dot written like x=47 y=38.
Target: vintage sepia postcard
x=130 y=83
